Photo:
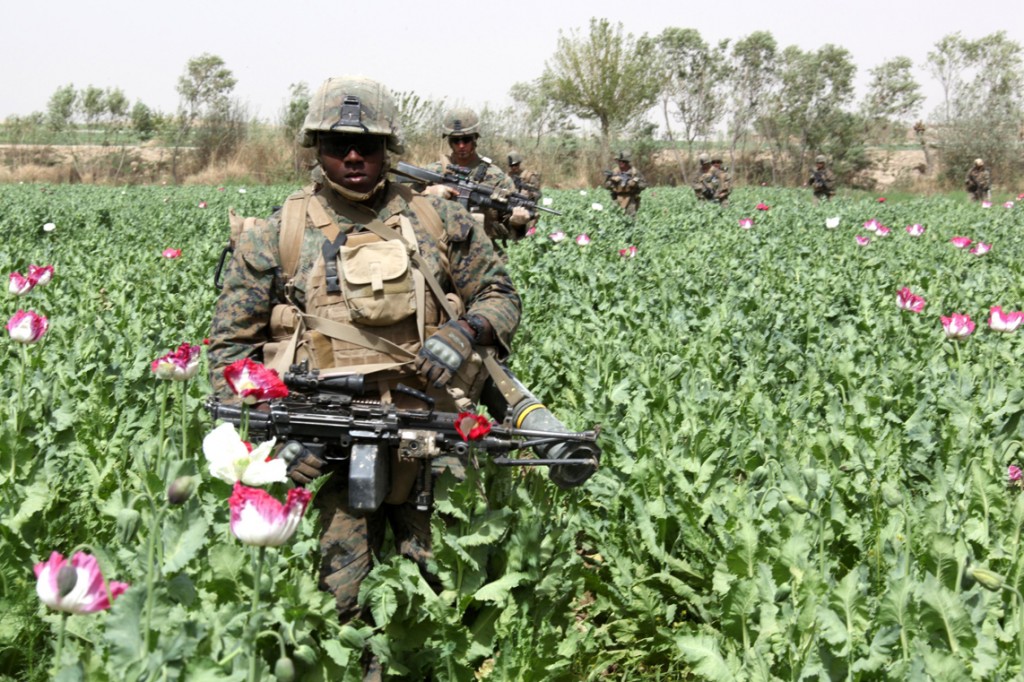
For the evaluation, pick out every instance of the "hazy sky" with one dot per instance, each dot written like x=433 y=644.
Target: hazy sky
x=466 y=52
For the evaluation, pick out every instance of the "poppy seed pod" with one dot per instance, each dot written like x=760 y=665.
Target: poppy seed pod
x=990 y=580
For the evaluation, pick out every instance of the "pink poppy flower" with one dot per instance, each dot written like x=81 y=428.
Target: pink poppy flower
x=20 y=285
x=27 y=326
x=172 y=253
x=915 y=230
x=908 y=300
x=981 y=248
x=746 y=223
x=530 y=231
x=180 y=365
x=628 y=252
x=76 y=586
x=986 y=204
x=258 y=519
x=762 y=207
x=202 y=204
x=872 y=225
x=221 y=189
x=1014 y=474
x=1008 y=204
x=863 y=241
x=1020 y=197
x=471 y=426
x=557 y=236
x=582 y=240
x=882 y=231
x=881 y=200
x=960 y=242
x=40 y=274
x=999 y=321
x=254 y=382
x=958 y=326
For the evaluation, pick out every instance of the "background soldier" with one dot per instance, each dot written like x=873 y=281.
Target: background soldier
x=979 y=182
x=822 y=180
x=527 y=181
x=352 y=123
x=626 y=185
x=461 y=128
x=706 y=184
x=724 y=180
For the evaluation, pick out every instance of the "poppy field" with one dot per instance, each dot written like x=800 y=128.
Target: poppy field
x=812 y=448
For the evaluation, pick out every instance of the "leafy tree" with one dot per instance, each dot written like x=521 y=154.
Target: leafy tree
x=142 y=120
x=893 y=96
x=117 y=104
x=752 y=80
x=294 y=113
x=61 y=108
x=205 y=90
x=420 y=116
x=607 y=76
x=694 y=80
x=92 y=104
x=539 y=116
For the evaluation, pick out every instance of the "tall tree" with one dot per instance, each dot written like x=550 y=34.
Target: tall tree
x=205 y=90
x=606 y=75
x=61 y=108
x=753 y=78
x=893 y=96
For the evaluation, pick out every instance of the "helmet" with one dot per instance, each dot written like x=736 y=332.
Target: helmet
x=624 y=156
x=352 y=104
x=820 y=158
x=716 y=158
x=460 y=122
x=979 y=162
x=515 y=158
x=704 y=158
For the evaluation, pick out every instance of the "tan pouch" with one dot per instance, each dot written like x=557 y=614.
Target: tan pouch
x=377 y=282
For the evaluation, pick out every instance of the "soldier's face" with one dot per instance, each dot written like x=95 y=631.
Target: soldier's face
x=515 y=169
x=355 y=162
x=623 y=166
x=463 y=148
x=820 y=165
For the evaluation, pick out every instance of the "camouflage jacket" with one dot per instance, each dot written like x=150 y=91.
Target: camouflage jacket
x=254 y=281
x=528 y=183
x=485 y=173
x=823 y=182
x=625 y=183
x=713 y=185
x=979 y=180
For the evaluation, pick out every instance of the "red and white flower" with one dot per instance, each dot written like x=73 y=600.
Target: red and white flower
x=75 y=586
x=986 y=204
x=999 y=321
x=257 y=518
x=862 y=241
x=181 y=365
x=172 y=253
x=628 y=252
x=762 y=206
x=40 y=274
x=472 y=426
x=26 y=326
x=19 y=285
x=254 y=382
x=530 y=231
x=202 y=204
x=981 y=248
x=958 y=326
x=557 y=236
x=872 y=225
x=882 y=231
x=1008 y=204
x=960 y=242
x=915 y=230
x=233 y=460
x=908 y=300
x=746 y=223
x=582 y=239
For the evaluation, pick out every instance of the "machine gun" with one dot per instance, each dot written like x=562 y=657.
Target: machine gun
x=329 y=417
x=618 y=180
x=472 y=194
x=818 y=180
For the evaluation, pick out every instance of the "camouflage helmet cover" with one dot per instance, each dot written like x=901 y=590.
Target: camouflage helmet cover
x=624 y=156
x=353 y=104
x=716 y=158
x=460 y=122
x=704 y=159
x=820 y=158
x=514 y=158
x=979 y=162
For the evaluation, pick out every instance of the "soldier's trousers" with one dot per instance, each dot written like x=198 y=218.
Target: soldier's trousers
x=348 y=538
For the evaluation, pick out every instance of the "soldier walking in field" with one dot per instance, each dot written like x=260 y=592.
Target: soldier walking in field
x=822 y=180
x=625 y=185
x=713 y=183
x=527 y=181
x=724 y=180
x=979 y=182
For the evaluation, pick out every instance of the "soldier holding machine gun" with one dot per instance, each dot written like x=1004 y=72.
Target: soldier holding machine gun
x=394 y=309
x=822 y=180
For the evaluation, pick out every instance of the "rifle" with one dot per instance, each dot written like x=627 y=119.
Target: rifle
x=328 y=416
x=620 y=179
x=472 y=194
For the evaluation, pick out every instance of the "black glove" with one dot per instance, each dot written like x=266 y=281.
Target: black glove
x=443 y=353
x=304 y=466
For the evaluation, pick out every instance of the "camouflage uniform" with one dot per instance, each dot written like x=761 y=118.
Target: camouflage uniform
x=724 y=182
x=713 y=183
x=979 y=181
x=822 y=180
x=253 y=284
x=486 y=173
x=626 y=185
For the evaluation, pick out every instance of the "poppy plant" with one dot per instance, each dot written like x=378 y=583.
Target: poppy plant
x=172 y=253
x=746 y=223
x=832 y=223
x=881 y=200
x=981 y=248
x=960 y=242
x=49 y=227
x=863 y=241
x=26 y=326
x=19 y=285
x=999 y=321
x=872 y=225
x=254 y=382
x=557 y=236
x=1008 y=204
x=471 y=426
x=1015 y=475
x=530 y=231
x=582 y=240
x=908 y=300
x=547 y=201
x=233 y=460
x=180 y=365
x=202 y=204
x=628 y=252
x=75 y=586
x=597 y=207
x=882 y=231
x=986 y=204
x=762 y=206
x=258 y=519
x=958 y=326
x=40 y=275
x=915 y=230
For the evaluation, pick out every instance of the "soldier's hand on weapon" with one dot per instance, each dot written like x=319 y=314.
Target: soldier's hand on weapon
x=520 y=216
x=443 y=353
x=443 y=191
x=304 y=467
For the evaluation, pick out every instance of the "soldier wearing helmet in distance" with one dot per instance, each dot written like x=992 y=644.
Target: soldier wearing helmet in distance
x=822 y=180
x=296 y=290
x=979 y=181
x=461 y=129
x=625 y=185
x=712 y=183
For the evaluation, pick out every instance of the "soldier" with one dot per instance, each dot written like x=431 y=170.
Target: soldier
x=724 y=180
x=706 y=184
x=288 y=268
x=822 y=180
x=626 y=185
x=979 y=182
x=461 y=128
x=527 y=181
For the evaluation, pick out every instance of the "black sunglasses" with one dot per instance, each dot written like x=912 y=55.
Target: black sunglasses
x=342 y=145
x=462 y=140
